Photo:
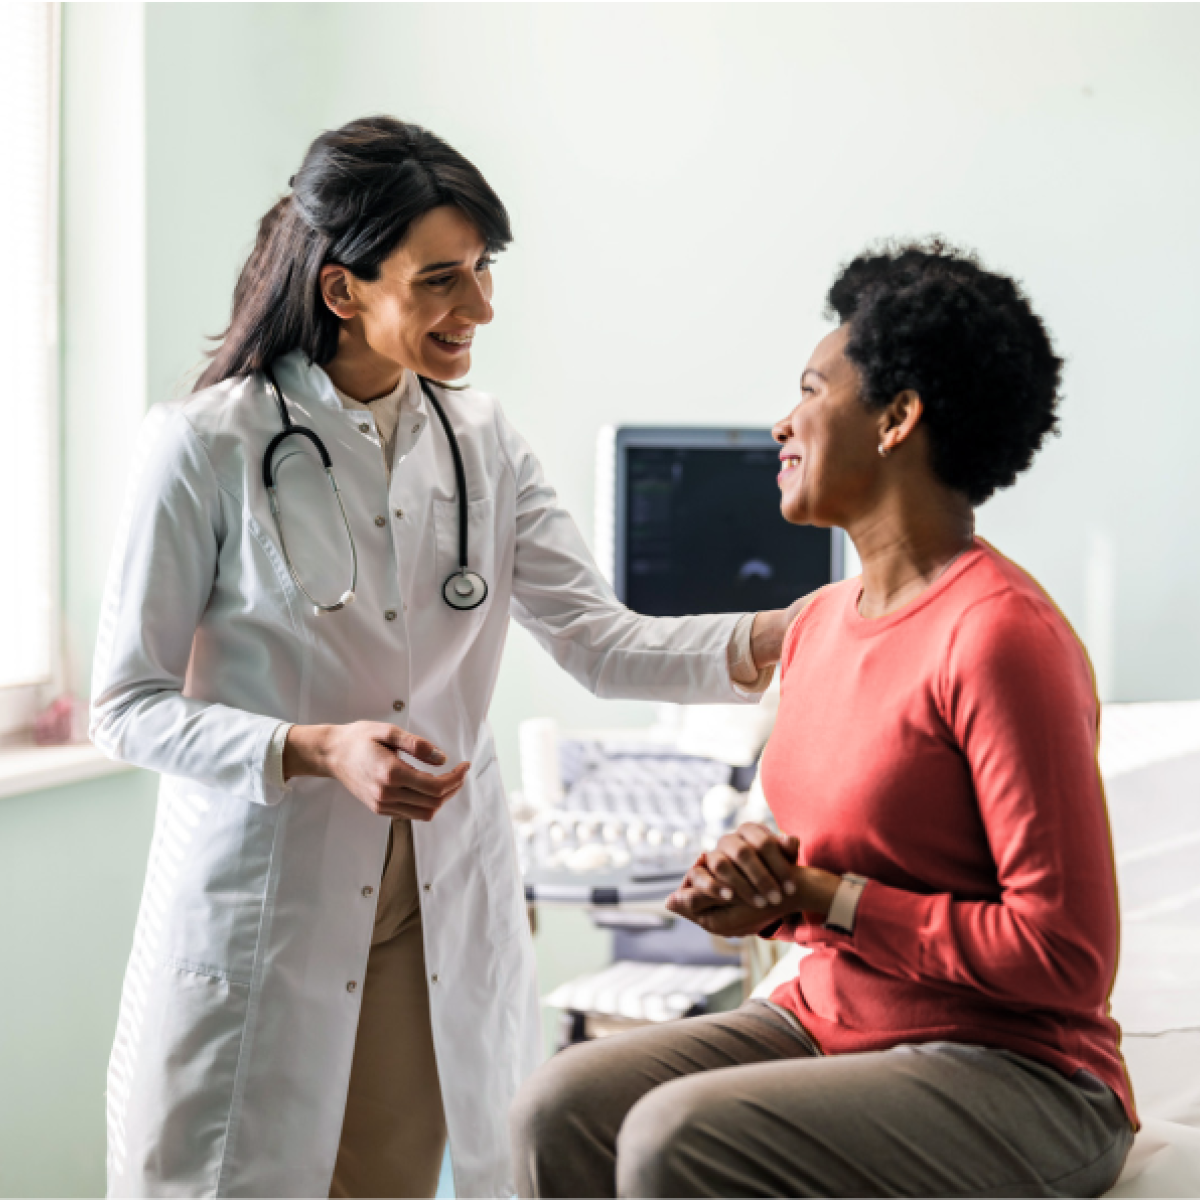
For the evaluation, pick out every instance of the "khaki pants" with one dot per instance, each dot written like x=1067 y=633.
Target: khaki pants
x=745 y=1104
x=394 y=1133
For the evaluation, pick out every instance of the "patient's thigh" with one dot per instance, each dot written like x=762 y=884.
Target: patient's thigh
x=933 y=1120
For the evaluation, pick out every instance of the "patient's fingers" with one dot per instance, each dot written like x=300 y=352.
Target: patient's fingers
x=690 y=904
x=777 y=853
x=700 y=879
x=736 y=862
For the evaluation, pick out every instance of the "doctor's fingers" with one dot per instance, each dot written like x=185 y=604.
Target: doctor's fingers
x=399 y=774
x=414 y=806
x=422 y=749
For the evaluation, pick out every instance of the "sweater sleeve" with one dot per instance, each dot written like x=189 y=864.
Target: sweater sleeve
x=1018 y=698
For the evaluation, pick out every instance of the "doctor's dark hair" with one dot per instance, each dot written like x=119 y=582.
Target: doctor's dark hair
x=927 y=316
x=353 y=200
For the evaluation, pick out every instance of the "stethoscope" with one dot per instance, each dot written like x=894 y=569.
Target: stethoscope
x=463 y=589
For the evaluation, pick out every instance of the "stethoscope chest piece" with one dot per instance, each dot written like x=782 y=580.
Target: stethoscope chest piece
x=464 y=590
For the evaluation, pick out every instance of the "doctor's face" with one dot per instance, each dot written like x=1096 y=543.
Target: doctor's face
x=829 y=458
x=431 y=295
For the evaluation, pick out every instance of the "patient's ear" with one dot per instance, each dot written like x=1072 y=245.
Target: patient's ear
x=899 y=420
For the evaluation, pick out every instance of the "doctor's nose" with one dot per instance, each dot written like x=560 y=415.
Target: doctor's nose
x=476 y=303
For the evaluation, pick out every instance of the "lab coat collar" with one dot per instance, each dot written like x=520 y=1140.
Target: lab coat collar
x=297 y=374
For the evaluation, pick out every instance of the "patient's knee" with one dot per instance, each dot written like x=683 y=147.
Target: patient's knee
x=659 y=1148
x=547 y=1106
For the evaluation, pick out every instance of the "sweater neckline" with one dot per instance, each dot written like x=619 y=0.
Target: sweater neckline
x=861 y=626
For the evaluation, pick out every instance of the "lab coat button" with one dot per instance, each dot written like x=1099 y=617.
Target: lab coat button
x=435 y=979
x=390 y=615
x=400 y=513
x=364 y=428
x=380 y=521
x=352 y=986
x=428 y=886
x=368 y=890
x=398 y=705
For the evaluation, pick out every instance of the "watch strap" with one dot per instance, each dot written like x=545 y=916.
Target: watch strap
x=845 y=904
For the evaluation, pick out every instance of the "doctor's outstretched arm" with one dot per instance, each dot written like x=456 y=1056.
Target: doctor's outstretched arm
x=561 y=597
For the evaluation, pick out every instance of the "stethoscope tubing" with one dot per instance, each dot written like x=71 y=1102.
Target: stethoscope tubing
x=463 y=589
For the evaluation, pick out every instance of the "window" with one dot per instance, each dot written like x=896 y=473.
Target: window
x=29 y=541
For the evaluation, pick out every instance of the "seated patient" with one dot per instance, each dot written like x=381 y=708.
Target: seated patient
x=945 y=850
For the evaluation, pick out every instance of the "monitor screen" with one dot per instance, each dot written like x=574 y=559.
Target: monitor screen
x=697 y=527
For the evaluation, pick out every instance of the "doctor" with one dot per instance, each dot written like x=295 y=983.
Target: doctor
x=332 y=969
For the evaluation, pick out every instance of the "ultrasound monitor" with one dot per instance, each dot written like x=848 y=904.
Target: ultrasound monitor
x=688 y=521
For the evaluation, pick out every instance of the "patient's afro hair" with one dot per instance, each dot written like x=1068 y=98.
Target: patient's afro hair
x=926 y=316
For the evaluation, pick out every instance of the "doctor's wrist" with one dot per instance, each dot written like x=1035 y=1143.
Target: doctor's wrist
x=309 y=751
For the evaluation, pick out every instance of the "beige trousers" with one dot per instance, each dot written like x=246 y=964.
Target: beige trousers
x=394 y=1133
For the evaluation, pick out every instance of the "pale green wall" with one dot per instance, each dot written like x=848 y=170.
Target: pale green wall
x=683 y=181
x=71 y=862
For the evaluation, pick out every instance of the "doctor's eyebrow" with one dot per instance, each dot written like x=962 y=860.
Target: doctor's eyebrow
x=438 y=266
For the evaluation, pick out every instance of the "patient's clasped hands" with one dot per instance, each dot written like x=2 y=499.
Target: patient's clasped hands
x=749 y=880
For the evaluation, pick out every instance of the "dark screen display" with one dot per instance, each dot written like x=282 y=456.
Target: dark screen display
x=703 y=534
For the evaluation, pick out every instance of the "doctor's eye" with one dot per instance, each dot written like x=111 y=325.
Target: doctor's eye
x=486 y=263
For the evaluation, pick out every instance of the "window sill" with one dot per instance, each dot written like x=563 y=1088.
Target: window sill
x=34 y=768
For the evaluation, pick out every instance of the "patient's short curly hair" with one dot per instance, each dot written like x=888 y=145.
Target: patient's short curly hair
x=927 y=316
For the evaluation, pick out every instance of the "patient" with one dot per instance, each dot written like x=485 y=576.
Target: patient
x=945 y=849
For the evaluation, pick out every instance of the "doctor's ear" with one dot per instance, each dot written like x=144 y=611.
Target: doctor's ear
x=335 y=290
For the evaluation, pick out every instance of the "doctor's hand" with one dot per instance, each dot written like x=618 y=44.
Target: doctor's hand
x=750 y=880
x=364 y=758
x=770 y=628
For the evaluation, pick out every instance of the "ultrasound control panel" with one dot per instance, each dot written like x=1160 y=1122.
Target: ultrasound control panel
x=629 y=826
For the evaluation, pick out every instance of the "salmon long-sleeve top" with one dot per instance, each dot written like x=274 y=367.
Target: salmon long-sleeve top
x=947 y=752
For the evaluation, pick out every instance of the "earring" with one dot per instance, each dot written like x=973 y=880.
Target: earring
x=883 y=451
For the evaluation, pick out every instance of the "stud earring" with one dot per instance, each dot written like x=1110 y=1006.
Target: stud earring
x=883 y=450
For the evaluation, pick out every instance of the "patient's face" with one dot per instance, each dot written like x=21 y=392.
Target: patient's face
x=829 y=442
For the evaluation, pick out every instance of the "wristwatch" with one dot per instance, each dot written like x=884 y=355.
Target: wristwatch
x=845 y=904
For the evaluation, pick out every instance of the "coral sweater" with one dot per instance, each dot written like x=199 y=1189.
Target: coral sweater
x=947 y=752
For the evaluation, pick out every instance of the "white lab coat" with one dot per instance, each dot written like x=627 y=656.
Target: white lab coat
x=238 y=1017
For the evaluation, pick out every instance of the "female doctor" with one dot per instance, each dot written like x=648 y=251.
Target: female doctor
x=332 y=968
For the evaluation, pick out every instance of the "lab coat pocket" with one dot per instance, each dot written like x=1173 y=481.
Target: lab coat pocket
x=223 y=850
x=497 y=857
x=182 y=1098
x=481 y=546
